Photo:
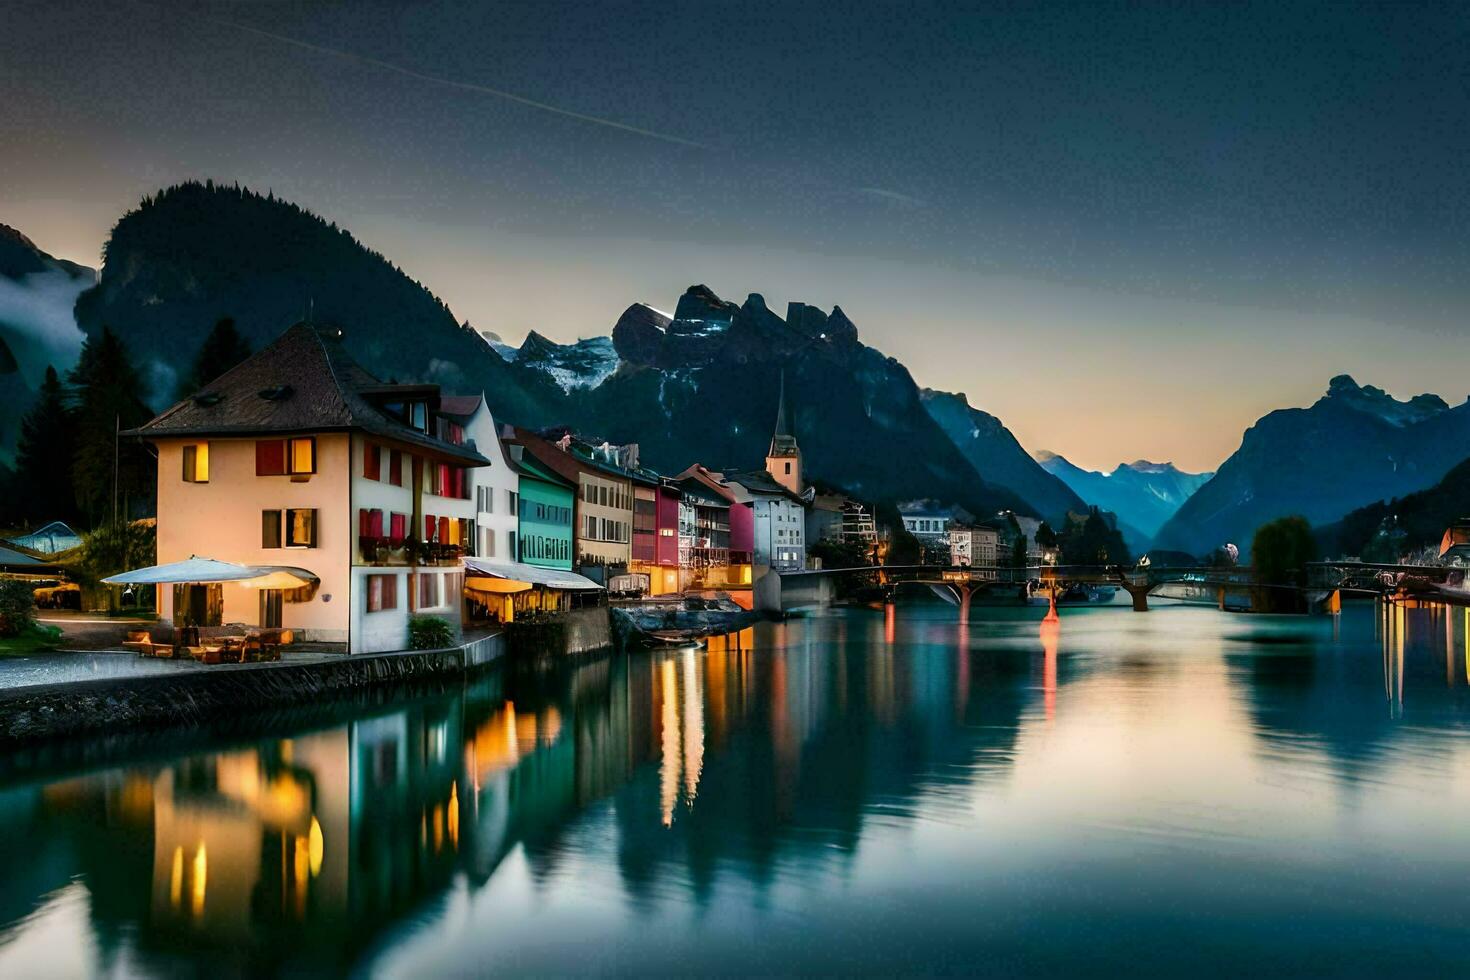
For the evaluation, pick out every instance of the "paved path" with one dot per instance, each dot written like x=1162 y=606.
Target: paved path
x=67 y=667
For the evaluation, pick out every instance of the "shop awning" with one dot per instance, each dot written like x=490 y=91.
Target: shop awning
x=515 y=571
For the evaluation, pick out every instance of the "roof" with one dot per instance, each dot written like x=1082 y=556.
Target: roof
x=460 y=406
x=301 y=382
x=567 y=464
x=529 y=467
x=761 y=481
x=783 y=442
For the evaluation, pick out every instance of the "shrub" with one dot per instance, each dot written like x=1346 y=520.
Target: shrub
x=429 y=633
x=17 y=607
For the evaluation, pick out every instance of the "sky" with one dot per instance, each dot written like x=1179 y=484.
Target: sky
x=1127 y=230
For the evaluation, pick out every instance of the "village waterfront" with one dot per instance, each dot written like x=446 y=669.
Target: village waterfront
x=867 y=790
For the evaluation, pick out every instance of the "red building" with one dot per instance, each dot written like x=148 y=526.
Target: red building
x=656 y=531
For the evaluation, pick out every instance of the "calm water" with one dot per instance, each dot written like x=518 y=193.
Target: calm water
x=1178 y=791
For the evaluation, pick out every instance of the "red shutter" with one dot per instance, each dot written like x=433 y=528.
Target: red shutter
x=398 y=528
x=459 y=483
x=429 y=526
x=375 y=523
x=270 y=457
x=443 y=530
x=362 y=522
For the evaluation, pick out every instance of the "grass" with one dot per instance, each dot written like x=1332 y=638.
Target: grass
x=38 y=639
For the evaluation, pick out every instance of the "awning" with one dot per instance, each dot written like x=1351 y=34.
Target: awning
x=515 y=571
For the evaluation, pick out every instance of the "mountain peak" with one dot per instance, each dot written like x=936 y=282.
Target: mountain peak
x=1148 y=466
x=1345 y=391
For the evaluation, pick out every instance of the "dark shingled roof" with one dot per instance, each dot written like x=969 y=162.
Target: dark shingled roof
x=317 y=388
x=760 y=481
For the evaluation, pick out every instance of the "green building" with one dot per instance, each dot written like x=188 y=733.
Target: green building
x=544 y=523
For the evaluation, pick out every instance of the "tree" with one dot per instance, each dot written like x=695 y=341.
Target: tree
x=1046 y=537
x=1280 y=552
x=223 y=348
x=1093 y=540
x=43 y=458
x=107 y=394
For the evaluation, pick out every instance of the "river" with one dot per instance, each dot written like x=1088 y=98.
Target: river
x=1181 y=791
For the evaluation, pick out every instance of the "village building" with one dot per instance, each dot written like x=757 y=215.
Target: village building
x=974 y=545
x=603 y=510
x=778 y=520
x=783 y=459
x=298 y=459
x=838 y=517
x=656 y=532
x=721 y=554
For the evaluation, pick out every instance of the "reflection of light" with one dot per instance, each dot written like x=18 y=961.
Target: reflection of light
x=888 y=623
x=314 y=842
x=196 y=893
x=453 y=816
x=301 y=872
x=1051 y=632
x=668 y=776
x=693 y=729
x=176 y=879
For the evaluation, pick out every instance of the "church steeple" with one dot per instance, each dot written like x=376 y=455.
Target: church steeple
x=783 y=461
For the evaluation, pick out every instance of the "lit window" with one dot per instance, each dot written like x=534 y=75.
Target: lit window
x=196 y=463
x=301 y=456
x=301 y=528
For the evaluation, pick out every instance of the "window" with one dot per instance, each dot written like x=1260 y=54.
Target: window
x=279 y=457
x=397 y=528
x=372 y=461
x=270 y=529
x=512 y=500
x=514 y=555
x=428 y=590
x=301 y=459
x=196 y=463
x=382 y=592
x=370 y=523
x=395 y=468
x=301 y=528
x=788 y=467
x=487 y=542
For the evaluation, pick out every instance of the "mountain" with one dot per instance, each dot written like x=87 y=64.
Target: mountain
x=996 y=455
x=700 y=385
x=1387 y=530
x=703 y=386
x=585 y=364
x=194 y=253
x=37 y=327
x=1355 y=446
x=1142 y=494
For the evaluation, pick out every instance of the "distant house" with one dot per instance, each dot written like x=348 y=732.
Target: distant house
x=975 y=545
x=838 y=517
x=925 y=519
x=52 y=539
x=717 y=549
x=1455 y=545
x=603 y=521
x=778 y=519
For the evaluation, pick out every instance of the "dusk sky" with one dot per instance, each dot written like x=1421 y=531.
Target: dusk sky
x=1128 y=232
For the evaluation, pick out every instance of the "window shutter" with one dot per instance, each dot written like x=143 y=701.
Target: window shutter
x=270 y=457
x=375 y=523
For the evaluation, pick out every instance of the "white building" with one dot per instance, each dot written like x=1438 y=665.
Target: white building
x=778 y=516
x=495 y=489
x=977 y=545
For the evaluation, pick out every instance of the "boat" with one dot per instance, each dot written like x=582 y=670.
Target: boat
x=678 y=620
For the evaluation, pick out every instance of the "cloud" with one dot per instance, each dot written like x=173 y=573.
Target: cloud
x=36 y=312
x=466 y=86
x=893 y=196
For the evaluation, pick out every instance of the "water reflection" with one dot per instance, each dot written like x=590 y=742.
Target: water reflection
x=804 y=770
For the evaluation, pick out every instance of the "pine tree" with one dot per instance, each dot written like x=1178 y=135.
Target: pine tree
x=43 y=459
x=222 y=350
x=107 y=394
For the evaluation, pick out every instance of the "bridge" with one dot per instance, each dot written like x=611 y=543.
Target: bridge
x=1326 y=582
x=786 y=590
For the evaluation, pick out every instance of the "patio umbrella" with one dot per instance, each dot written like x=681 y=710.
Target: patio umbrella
x=192 y=570
x=279 y=577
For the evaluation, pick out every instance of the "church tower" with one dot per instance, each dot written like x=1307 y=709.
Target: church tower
x=784 y=459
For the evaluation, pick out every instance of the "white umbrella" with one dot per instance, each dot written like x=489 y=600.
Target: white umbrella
x=190 y=571
x=279 y=577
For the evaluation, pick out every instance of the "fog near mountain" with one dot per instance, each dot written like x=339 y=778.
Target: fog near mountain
x=1355 y=446
x=37 y=295
x=1142 y=494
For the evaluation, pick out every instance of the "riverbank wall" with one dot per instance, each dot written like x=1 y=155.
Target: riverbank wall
x=196 y=698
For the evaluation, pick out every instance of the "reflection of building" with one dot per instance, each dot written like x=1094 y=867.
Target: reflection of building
x=298 y=457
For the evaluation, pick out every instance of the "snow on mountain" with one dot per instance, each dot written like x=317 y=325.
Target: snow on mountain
x=499 y=346
x=1143 y=494
x=585 y=364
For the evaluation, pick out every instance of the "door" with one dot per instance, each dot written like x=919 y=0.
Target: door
x=270 y=608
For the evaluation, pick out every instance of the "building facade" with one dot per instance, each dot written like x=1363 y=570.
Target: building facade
x=976 y=545
x=299 y=459
x=494 y=489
